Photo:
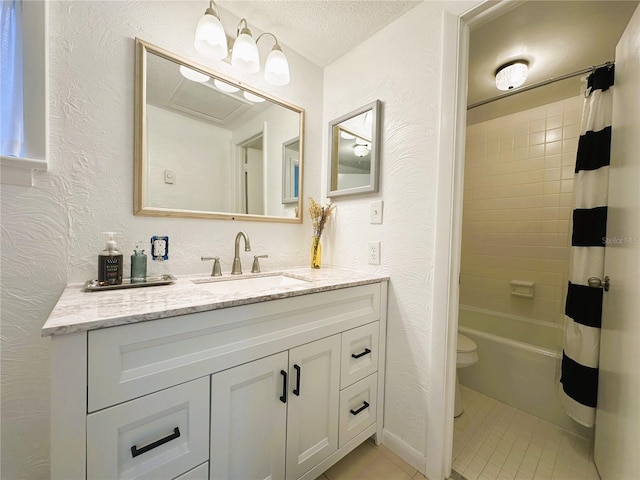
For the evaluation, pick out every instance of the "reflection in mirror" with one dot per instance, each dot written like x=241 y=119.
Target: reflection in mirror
x=291 y=171
x=208 y=147
x=354 y=152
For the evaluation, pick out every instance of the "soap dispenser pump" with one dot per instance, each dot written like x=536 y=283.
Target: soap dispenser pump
x=138 y=264
x=110 y=263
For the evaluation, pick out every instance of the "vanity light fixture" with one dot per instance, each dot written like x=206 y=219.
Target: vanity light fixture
x=224 y=87
x=193 y=75
x=253 y=98
x=211 y=40
x=512 y=75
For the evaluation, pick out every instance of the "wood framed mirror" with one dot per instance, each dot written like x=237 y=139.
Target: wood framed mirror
x=354 y=151
x=208 y=146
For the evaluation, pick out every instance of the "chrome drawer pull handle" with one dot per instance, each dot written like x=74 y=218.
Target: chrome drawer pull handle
x=135 y=451
x=366 y=350
x=355 y=412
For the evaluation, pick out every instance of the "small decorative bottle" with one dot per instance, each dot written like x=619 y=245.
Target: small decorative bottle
x=138 y=264
x=110 y=263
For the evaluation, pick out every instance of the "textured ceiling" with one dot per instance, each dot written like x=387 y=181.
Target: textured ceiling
x=320 y=30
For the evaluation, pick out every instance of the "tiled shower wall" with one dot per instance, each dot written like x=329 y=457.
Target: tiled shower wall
x=517 y=209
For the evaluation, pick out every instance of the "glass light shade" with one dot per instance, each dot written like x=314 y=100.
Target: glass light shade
x=245 y=56
x=276 y=68
x=361 y=150
x=253 y=98
x=511 y=76
x=210 y=37
x=346 y=136
x=193 y=75
x=225 y=87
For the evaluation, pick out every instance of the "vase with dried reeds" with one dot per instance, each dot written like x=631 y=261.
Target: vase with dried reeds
x=319 y=215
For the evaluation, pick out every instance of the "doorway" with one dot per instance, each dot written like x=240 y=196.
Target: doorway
x=480 y=14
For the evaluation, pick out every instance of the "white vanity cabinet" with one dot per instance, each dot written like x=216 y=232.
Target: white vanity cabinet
x=280 y=389
x=292 y=394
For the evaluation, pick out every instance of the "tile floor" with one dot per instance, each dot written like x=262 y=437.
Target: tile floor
x=493 y=441
x=368 y=462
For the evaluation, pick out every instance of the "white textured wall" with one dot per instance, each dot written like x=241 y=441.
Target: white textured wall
x=517 y=209
x=51 y=232
x=405 y=76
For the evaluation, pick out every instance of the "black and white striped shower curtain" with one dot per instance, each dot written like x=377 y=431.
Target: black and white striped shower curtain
x=583 y=308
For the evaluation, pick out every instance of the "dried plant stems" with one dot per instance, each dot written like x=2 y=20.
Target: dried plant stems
x=319 y=215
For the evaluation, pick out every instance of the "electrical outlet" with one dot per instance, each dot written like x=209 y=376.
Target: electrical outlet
x=159 y=248
x=375 y=212
x=373 y=253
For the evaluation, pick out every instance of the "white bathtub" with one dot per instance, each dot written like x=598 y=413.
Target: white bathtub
x=519 y=363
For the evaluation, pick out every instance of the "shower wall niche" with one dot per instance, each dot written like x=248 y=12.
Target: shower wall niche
x=517 y=209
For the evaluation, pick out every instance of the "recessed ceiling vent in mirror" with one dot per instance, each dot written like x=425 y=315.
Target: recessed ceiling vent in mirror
x=220 y=108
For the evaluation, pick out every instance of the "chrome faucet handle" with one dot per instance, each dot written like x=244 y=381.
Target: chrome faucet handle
x=217 y=271
x=256 y=263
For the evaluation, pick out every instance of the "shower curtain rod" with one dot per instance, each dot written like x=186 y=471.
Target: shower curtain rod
x=539 y=84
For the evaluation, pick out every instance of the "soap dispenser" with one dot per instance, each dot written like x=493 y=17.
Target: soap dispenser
x=110 y=263
x=138 y=264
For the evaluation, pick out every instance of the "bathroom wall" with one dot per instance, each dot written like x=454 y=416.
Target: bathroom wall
x=517 y=209
x=196 y=152
x=406 y=77
x=51 y=231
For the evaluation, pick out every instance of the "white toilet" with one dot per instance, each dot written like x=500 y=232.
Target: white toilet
x=467 y=355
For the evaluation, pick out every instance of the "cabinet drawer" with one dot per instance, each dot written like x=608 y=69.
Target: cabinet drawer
x=129 y=361
x=159 y=436
x=357 y=408
x=359 y=353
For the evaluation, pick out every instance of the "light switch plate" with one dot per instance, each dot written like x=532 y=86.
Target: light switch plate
x=169 y=177
x=160 y=248
x=375 y=212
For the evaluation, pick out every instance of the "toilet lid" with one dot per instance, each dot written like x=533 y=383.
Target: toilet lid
x=465 y=344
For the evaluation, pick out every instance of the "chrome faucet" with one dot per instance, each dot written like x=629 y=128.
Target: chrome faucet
x=237 y=267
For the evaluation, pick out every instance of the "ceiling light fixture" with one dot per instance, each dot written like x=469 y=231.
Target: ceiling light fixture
x=361 y=151
x=512 y=75
x=211 y=40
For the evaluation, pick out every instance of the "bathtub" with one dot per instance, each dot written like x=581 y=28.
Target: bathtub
x=519 y=363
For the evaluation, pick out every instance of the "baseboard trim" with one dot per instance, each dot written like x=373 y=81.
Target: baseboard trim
x=405 y=451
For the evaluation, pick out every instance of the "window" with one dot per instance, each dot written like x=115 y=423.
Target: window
x=24 y=82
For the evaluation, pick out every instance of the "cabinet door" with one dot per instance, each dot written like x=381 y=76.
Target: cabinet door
x=314 y=394
x=248 y=420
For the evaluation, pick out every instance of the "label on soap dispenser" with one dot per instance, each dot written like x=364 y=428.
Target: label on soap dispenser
x=110 y=270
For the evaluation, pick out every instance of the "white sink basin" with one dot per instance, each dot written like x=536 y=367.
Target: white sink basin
x=231 y=285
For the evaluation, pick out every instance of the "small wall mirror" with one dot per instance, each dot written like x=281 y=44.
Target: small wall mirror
x=207 y=146
x=354 y=151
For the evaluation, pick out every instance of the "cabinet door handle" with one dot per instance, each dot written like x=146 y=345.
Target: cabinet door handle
x=366 y=350
x=355 y=412
x=135 y=451
x=296 y=391
x=283 y=398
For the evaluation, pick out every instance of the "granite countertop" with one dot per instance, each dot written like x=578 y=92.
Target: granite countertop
x=78 y=311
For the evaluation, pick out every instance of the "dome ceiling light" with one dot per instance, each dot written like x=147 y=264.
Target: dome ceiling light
x=512 y=75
